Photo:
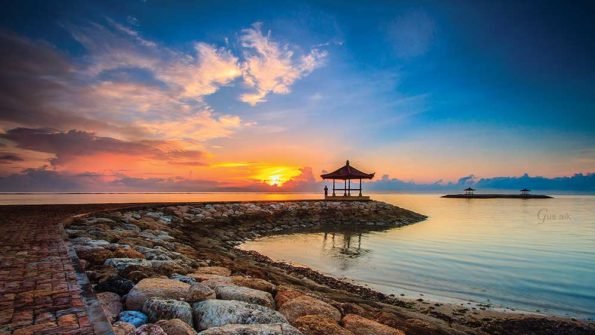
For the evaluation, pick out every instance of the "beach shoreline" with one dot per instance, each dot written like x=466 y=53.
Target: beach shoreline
x=219 y=246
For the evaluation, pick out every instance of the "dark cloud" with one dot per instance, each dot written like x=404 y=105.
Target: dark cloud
x=6 y=158
x=40 y=180
x=47 y=180
x=31 y=75
x=75 y=143
x=576 y=183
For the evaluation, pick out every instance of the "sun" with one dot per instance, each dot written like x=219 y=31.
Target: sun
x=277 y=175
x=275 y=180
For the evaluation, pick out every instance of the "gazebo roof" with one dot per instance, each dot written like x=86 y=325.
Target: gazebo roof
x=525 y=190
x=469 y=189
x=347 y=172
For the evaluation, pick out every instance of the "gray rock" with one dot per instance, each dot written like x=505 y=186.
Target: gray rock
x=166 y=309
x=149 y=329
x=245 y=294
x=156 y=287
x=263 y=329
x=122 y=263
x=216 y=313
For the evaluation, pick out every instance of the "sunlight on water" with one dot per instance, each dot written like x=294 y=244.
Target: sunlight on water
x=535 y=254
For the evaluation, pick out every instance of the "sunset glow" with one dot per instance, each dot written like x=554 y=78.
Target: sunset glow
x=134 y=100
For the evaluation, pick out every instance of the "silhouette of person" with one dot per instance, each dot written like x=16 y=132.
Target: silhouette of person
x=325 y=191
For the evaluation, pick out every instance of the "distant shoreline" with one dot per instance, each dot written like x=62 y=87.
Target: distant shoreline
x=497 y=196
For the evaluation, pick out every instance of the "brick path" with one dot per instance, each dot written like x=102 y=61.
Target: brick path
x=39 y=293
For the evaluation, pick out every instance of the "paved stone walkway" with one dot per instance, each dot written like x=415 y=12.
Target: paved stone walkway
x=39 y=293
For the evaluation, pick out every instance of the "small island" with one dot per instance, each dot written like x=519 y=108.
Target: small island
x=470 y=194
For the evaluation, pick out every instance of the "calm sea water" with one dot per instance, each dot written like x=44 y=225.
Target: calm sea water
x=534 y=254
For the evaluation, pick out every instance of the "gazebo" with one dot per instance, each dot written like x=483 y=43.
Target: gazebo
x=469 y=191
x=525 y=192
x=346 y=173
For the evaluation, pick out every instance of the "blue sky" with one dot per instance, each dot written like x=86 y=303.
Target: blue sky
x=421 y=91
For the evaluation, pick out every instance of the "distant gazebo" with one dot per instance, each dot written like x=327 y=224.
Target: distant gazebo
x=525 y=192
x=347 y=173
x=469 y=191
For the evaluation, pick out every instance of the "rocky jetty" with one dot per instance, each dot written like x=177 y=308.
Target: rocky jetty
x=150 y=277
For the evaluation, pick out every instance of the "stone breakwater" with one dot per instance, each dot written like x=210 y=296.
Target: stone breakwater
x=150 y=277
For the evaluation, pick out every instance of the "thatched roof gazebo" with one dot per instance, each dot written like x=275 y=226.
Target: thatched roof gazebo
x=469 y=191
x=525 y=192
x=346 y=173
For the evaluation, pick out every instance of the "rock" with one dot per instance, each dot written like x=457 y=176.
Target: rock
x=156 y=287
x=359 y=325
x=284 y=294
x=246 y=294
x=214 y=270
x=93 y=255
x=200 y=292
x=127 y=253
x=306 y=305
x=118 y=285
x=123 y=328
x=319 y=325
x=121 y=264
x=255 y=283
x=215 y=280
x=135 y=318
x=149 y=329
x=216 y=313
x=184 y=279
x=111 y=304
x=260 y=329
x=176 y=327
x=165 y=309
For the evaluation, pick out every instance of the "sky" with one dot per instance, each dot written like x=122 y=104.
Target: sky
x=267 y=95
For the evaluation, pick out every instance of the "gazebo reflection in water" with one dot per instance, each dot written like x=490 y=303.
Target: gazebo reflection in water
x=350 y=243
x=347 y=173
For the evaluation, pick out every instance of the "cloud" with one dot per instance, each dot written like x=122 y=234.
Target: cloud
x=270 y=67
x=7 y=158
x=66 y=146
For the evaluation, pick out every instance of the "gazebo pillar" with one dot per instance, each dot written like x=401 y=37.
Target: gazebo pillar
x=360 y=187
x=345 y=189
x=334 y=188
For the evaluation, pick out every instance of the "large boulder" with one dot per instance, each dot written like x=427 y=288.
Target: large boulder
x=213 y=270
x=255 y=283
x=245 y=294
x=135 y=318
x=261 y=329
x=215 y=281
x=122 y=264
x=165 y=309
x=216 y=313
x=284 y=294
x=156 y=287
x=116 y=284
x=176 y=327
x=149 y=329
x=306 y=305
x=359 y=325
x=111 y=304
x=122 y=328
x=200 y=292
x=319 y=325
